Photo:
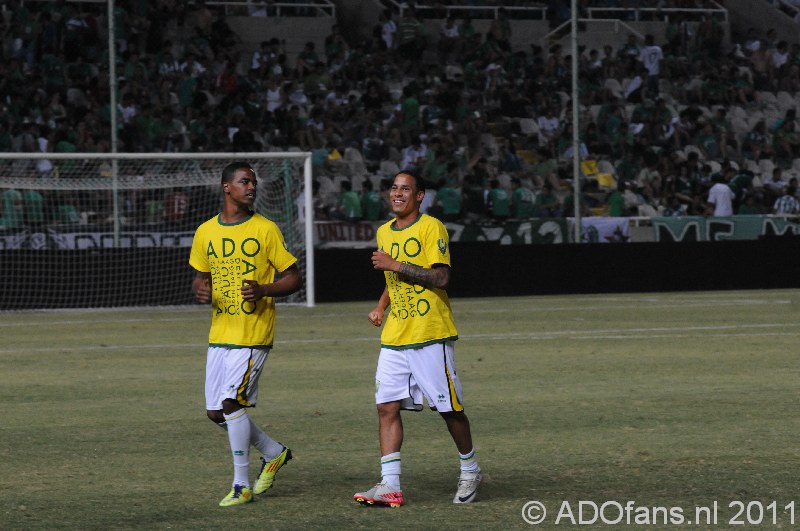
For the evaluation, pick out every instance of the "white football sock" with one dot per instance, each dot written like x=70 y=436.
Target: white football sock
x=268 y=447
x=469 y=463
x=239 y=437
x=390 y=469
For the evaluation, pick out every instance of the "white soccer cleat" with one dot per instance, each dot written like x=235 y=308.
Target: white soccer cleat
x=467 y=487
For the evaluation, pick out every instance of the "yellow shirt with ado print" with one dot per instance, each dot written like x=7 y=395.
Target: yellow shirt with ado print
x=418 y=315
x=253 y=249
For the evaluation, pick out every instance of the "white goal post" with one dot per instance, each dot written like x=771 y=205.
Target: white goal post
x=86 y=225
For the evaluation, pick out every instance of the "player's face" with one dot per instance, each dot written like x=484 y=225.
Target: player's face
x=404 y=196
x=242 y=188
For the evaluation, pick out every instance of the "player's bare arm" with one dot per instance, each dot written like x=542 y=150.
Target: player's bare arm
x=436 y=277
x=376 y=315
x=201 y=287
x=289 y=282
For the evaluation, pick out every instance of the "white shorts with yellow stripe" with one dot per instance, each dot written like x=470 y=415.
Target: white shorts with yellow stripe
x=409 y=374
x=232 y=373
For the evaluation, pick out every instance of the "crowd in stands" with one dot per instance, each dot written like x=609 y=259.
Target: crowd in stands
x=664 y=120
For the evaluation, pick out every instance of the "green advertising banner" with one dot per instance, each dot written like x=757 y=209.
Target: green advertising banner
x=701 y=229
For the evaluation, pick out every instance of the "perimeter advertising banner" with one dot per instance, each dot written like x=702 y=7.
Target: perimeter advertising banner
x=343 y=235
x=700 y=229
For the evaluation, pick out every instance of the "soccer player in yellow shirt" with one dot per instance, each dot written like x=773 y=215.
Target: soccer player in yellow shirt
x=238 y=254
x=416 y=357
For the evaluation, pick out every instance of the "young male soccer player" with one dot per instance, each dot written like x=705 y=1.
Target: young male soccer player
x=416 y=356
x=237 y=255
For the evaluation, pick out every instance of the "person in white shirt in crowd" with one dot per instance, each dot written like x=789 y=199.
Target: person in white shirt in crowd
x=651 y=56
x=720 y=198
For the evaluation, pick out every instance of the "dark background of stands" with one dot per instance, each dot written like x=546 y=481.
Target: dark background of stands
x=347 y=275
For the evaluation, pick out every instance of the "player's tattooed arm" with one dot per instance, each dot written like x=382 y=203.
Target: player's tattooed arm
x=435 y=277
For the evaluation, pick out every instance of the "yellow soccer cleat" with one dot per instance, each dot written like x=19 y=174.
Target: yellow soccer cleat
x=268 y=470
x=239 y=495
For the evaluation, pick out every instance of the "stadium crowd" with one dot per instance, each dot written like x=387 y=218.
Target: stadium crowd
x=663 y=121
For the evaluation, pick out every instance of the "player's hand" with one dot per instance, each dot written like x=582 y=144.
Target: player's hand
x=383 y=261
x=252 y=291
x=375 y=317
x=202 y=290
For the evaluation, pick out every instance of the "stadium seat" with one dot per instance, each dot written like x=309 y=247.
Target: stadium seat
x=754 y=118
x=752 y=166
x=745 y=71
x=606 y=166
x=528 y=126
x=504 y=179
x=389 y=168
x=766 y=98
x=530 y=157
x=706 y=111
x=785 y=101
x=454 y=72
x=355 y=161
x=736 y=111
x=766 y=166
x=613 y=86
x=693 y=149
x=740 y=126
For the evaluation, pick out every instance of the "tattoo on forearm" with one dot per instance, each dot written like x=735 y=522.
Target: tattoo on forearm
x=430 y=278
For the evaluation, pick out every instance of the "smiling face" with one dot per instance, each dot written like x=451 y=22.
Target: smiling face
x=241 y=189
x=405 y=197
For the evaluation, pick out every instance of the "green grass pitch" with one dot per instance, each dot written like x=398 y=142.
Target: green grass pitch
x=667 y=400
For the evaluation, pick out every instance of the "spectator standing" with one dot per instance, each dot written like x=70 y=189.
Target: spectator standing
x=651 y=56
x=787 y=204
x=410 y=37
x=775 y=185
x=521 y=200
x=500 y=30
x=448 y=201
x=720 y=198
x=498 y=201
x=348 y=204
x=13 y=211
x=371 y=202
x=33 y=203
x=388 y=29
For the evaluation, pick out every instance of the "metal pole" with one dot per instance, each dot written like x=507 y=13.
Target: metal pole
x=112 y=102
x=309 y=231
x=576 y=156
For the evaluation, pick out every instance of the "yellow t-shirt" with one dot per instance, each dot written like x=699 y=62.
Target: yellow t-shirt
x=250 y=250
x=418 y=316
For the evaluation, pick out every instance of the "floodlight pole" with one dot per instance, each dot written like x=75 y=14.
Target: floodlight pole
x=576 y=156
x=112 y=102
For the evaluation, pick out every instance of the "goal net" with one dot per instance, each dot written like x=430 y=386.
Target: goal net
x=101 y=230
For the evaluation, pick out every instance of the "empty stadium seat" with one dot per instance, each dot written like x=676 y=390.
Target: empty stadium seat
x=766 y=166
x=613 y=86
x=785 y=101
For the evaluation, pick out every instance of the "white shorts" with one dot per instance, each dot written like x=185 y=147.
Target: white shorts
x=232 y=373
x=408 y=374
